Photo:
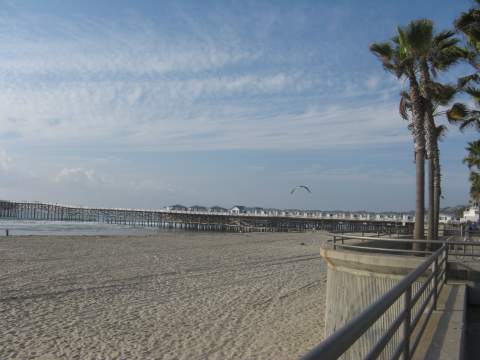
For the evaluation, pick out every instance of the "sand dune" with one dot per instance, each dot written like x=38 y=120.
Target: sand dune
x=167 y=296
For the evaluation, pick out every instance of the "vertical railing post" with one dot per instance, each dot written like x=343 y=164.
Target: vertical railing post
x=446 y=265
x=435 y=282
x=406 y=323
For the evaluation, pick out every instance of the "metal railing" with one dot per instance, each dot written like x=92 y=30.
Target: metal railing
x=456 y=249
x=415 y=309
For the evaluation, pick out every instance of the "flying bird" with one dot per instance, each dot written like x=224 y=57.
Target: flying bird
x=300 y=187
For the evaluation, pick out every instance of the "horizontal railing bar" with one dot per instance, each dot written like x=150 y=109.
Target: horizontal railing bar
x=461 y=254
x=383 y=341
x=350 y=236
x=336 y=344
x=346 y=246
x=466 y=243
x=340 y=237
x=354 y=237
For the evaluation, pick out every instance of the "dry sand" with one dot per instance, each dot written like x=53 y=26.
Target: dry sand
x=167 y=296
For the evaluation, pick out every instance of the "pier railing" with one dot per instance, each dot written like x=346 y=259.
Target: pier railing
x=195 y=220
x=403 y=334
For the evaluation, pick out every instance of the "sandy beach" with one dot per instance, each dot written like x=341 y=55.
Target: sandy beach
x=166 y=296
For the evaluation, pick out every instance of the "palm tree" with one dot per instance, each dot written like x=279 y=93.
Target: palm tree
x=468 y=23
x=441 y=53
x=400 y=58
x=441 y=95
x=439 y=134
x=434 y=53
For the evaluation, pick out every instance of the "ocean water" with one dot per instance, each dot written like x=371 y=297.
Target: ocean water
x=31 y=227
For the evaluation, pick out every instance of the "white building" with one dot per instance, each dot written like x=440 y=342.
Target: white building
x=237 y=209
x=445 y=219
x=471 y=214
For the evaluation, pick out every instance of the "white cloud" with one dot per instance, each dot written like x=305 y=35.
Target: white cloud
x=5 y=160
x=79 y=176
x=130 y=86
x=357 y=174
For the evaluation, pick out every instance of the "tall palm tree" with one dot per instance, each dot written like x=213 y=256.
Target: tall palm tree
x=400 y=58
x=434 y=53
x=439 y=134
x=468 y=23
x=442 y=53
x=441 y=95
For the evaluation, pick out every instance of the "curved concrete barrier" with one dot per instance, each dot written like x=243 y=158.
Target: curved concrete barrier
x=354 y=281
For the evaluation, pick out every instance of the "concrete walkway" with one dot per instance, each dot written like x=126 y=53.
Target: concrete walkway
x=444 y=335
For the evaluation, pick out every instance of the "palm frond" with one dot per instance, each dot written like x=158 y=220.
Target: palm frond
x=442 y=94
x=463 y=81
x=418 y=35
x=443 y=36
x=460 y=114
x=473 y=92
x=440 y=132
x=382 y=50
x=404 y=107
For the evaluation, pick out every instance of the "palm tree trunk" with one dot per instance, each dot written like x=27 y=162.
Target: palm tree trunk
x=437 y=191
x=418 y=120
x=430 y=138
x=419 y=229
x=431 y=201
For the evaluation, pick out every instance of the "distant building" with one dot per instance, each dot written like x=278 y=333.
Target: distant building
x=237 y=209
x=445 y=219
x=257 y=211
x=218 y=209
x=198 y=208
x=471 y=214
x=272 y=212
x=177 y=207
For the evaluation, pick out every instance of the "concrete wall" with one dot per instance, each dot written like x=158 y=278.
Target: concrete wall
x=355 y=280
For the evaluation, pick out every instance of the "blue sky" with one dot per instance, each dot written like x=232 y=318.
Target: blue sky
x=148 y=103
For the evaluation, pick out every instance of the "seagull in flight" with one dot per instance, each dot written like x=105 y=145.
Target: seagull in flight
x=300 y=187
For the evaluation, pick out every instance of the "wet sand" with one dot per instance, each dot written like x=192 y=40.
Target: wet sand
x=166 y=296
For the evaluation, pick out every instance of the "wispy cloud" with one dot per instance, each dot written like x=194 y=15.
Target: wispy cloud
x=108 y=84
x=5 y=160
x=79 y=176
x=241 y=76
x=358 y=174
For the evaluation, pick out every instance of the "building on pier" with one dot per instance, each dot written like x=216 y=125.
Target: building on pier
x=198 y=208
x=177 y=207
x=237 y=209
x=218 y=209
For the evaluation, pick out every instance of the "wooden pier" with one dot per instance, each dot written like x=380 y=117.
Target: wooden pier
x=195 y=220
